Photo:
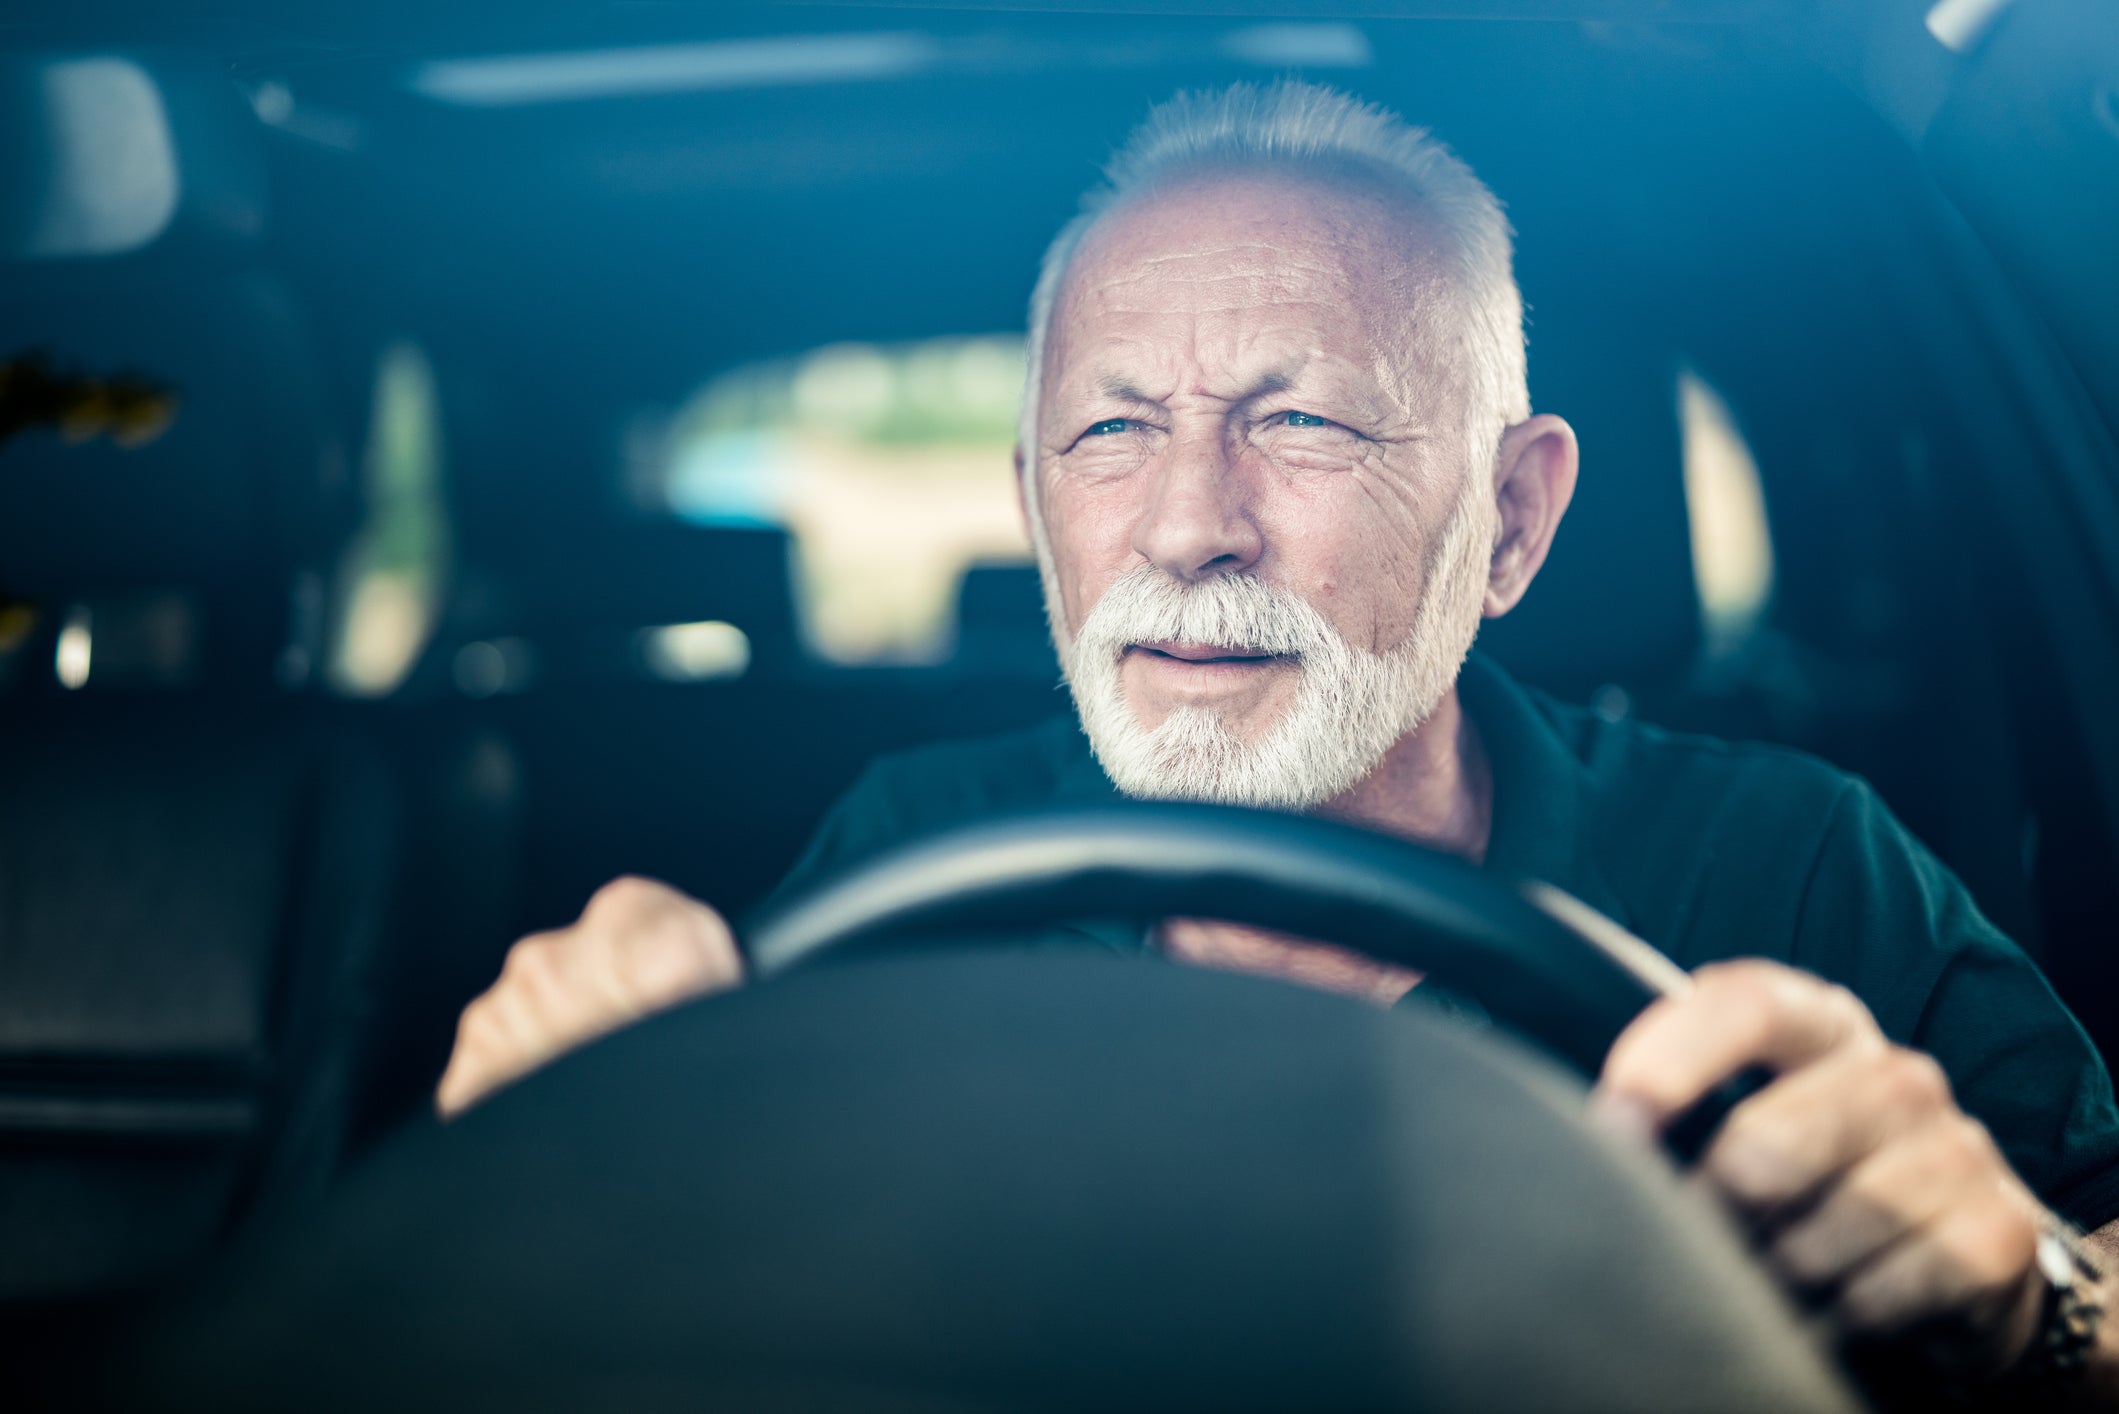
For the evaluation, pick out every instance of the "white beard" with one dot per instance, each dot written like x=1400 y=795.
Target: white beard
x=1351 y=705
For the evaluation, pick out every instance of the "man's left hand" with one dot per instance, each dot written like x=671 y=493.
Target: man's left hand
x=1867 y=1188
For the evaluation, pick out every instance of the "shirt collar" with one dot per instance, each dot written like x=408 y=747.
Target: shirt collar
x=1540 y=828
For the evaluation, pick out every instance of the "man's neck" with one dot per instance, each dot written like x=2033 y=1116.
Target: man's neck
x=1435 y=787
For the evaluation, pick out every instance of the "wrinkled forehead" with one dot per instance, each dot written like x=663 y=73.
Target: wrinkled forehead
x=1348 y=259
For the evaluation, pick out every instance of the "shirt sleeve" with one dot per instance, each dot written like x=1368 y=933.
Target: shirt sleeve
x=1884 y=916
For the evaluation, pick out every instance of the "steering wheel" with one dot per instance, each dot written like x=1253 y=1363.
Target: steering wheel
x=1539 y=961
x=1035 y=1179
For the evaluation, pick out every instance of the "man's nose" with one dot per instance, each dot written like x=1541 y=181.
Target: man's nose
x=1197 y=521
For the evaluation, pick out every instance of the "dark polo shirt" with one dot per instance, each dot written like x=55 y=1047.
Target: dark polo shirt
x=1708 y=850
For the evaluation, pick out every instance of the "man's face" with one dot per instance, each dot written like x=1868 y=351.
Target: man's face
x=1266 y=539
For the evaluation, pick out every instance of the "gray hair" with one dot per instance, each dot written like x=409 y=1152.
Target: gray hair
x=1305 y=127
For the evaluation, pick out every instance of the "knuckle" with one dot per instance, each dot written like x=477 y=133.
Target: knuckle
x=1767 y=996
x=1993 y=1245
x=1638 y=1063
x=535 y=965
x=477 y=1029
x=1757 y=1162
x=1914 y=1079
x=681 y=949
x=1754 y=1015
x=1736 y=972
x=623 y=897
x=1967 y=1147
x=527 y=955
x=1744 y=999
x=543 y=981
x=1803 y=1261
x=1839 y=998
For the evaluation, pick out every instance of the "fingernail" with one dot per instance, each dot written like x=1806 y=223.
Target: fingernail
x=1624 y=1115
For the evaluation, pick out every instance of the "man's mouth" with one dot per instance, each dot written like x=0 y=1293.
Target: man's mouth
x=1206 y=653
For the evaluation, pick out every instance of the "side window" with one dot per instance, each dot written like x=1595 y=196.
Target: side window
x=1725 y=510
x=888 y=464
x=391 y=580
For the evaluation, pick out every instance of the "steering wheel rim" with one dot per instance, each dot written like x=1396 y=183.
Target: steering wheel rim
x=1541 y=962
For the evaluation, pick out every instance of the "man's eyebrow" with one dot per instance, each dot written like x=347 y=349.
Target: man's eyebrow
x=1267 y=386
x=1120 y=390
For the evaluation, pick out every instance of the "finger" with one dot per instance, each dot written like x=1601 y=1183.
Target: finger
x=654 y=946
x=1737 y=1014
x=679 y=949
x=1885 y=1199
x=456 y=1092
x=516 y=1024
x=639 y=946
x=458 y=1085
x=505 y=1034
x=1970 y=1270
x=1781 y=1147
x=478 y=1061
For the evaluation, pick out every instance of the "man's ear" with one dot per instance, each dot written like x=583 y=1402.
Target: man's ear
x=1534 y=479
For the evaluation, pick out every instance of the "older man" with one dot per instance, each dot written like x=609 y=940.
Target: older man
x=1278 y=461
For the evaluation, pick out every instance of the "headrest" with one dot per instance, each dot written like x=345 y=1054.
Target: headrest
x=161 y=423
x=1001 y=622
x=105 y=153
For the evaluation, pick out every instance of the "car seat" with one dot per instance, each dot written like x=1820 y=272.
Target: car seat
x=200 y=860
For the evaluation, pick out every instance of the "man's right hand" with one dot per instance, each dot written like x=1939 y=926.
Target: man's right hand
x=637 y=948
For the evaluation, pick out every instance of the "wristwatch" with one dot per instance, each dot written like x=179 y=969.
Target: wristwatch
x=2071 y=1312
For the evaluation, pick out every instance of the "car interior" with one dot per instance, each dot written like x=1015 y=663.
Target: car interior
x=370 y=592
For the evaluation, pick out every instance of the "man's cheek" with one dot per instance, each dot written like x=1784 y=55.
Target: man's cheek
x=1357 y=572
x=1091 y=548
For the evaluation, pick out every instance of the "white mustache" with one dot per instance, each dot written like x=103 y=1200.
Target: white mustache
x=1228 y=611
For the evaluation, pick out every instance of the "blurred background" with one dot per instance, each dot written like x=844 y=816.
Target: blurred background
x=452 y=453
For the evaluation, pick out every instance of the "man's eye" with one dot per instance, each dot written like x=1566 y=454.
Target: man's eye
x=1109 y=427
x=1303 y=419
